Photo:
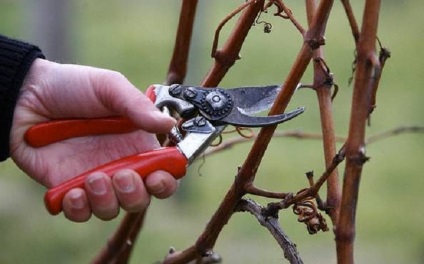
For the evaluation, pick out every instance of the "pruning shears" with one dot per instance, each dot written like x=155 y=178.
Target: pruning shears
x=206 y=111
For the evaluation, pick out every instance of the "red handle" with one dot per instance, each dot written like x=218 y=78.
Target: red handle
x=54 y=131
x=168 y=159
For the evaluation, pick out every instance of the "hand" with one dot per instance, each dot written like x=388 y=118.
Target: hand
x=58 y=91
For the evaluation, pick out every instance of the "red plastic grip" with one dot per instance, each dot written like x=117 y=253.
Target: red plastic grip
x=167 y=159
x=54 y=131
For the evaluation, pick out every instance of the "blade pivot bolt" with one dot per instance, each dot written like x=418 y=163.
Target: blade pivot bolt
x=216 y=100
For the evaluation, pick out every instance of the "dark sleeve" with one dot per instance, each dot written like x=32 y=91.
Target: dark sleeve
x=16 y=58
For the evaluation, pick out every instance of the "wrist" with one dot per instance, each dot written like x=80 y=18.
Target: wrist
x=15 y=60
x=39 y=68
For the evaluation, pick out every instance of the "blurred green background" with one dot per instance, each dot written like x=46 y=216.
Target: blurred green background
x=136 y=38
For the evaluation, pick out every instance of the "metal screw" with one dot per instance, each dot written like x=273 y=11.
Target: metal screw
x=200 y=121
x=175 y=90
x=190 y=92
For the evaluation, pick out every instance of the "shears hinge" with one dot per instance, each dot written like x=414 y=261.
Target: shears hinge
x=200 y=134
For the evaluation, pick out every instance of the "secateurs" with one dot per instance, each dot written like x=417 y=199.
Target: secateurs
x=207 y=112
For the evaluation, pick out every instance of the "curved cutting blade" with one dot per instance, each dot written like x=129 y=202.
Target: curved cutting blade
x=238 y=118
x=252 y=100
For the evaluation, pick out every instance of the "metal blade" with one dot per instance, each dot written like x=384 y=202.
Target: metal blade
x=252 y=100
x=234 y=106
x=239 y=119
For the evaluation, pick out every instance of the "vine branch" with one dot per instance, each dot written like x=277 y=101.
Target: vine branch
x=271 y=223
x=367 y=66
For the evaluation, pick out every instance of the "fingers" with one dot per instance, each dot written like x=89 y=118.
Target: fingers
x=104 y=196
x=161 y=184
x=118 y=94
x=130 y=191
x=75 y=205
x=101 y=196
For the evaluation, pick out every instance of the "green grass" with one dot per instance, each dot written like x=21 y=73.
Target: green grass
x=136 y=38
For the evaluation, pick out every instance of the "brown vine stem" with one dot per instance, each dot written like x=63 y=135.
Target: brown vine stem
x=121 y=243
x=178 y=65
x=322 y=84
x=223 y=23
x=115 y=251
x=352 y=21
x=367 y=66
x=128 y=246
x=229 y=53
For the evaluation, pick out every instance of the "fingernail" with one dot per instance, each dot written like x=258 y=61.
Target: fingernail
x=124 y=182
x=158 y=188
x=97 y=184
x=76 y=201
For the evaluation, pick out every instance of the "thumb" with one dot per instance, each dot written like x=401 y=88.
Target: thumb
x=123 y=98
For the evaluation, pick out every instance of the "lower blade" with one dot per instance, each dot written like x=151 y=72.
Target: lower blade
x=239 y=119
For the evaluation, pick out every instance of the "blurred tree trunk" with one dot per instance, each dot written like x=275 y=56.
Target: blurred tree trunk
x=50 y=27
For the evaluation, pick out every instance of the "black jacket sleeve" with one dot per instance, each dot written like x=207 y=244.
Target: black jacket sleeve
x=16 y=58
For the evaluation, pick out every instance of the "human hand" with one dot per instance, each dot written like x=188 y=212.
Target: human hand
x=57 y=91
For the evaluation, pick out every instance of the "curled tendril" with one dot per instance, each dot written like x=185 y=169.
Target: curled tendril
x=217 y=143
x=267 y=25
x=245 y=132
x=308 y=214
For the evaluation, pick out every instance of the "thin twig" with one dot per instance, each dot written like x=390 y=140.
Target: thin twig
x=288 y=15
x=223 y=23
x=323 y=81
x=352 y=21
x=311 y=192
x=273 y=226
x=232 y=142
x=229 y=143
x=229 y=53
x=178 y=64
x=393 y=132
x=251 y=189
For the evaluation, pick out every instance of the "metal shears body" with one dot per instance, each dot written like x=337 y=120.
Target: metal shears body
x=207 y=112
